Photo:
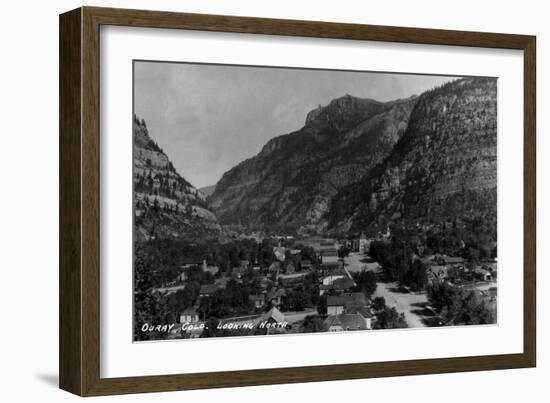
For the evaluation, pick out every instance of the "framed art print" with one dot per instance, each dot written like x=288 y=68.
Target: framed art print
x=249 y=201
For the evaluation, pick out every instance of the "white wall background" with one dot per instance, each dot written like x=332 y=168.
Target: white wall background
x=29 y=198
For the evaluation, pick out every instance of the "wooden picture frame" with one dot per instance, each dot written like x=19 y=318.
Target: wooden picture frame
x=79 y=348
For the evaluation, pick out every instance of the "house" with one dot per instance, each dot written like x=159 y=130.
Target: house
x=289 y=280
x=337 y=304
x=482 y=274
x=276 y=296
x=210 y=269
x=191 y=262
x=455 y=273
x=364 y=243
x=271 y=319
x=181 y=277
x=258 y=300
x=221 y=282
x=491 y=267
x=332 y=266
x=189 y=315
x=327 y=280
x=329 y=256
x=305 y=264
x=279 y=252
x=365 y=311
x=339 y=285
x=263 y=282
x=347 y=322
x=207 y=290
x=450 y=260
x=238 y=272
x=437 y=273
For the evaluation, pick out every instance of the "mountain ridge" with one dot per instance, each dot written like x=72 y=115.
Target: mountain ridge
x=289 y=183
x=442 y=169
x=166 y=205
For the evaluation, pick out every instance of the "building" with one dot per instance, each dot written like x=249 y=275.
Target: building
x=482 y=274
x=189 y=315
x=347 y=322
x=337 y=304
x=329 y=256
x=276 y=297
x=279 y=252
x=305 y=264
x=258 y=300
x=272 y=319
x=339 y=285
x=327 y=280
x=191 y=262
x=364 y=243
x=238 y=272
x=332 y=265
x=437 y=273
x=293 y=279
x=210 y=269
x=450 y=260
x=208 y=290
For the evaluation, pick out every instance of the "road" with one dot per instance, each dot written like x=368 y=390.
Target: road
x=411 y=304
x=353 y=263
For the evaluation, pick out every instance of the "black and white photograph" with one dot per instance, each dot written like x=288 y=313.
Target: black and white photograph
x=276 y=200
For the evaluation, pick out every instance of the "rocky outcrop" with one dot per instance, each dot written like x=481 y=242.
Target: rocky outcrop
x=165 y=204
x=444 y=168
x=289 y=185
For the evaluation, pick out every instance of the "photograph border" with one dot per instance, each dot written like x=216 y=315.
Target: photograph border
x=79 y=218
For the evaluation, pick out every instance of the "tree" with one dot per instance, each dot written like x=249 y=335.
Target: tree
x=366 y=283
x=389 y=318
x=313 y=324
x=343 y=251
x=416 y=277
x=378 y=303
x=457 y=306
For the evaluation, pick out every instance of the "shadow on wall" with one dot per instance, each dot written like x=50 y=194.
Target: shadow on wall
x=49 y=379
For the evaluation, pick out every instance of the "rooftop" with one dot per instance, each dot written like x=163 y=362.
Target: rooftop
x=348 y=321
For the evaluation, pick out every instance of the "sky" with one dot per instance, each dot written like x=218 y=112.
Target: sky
x=208 y=118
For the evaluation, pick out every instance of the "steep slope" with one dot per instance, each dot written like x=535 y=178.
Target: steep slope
x=207 y=190
x=289 y=184
x=165 y=204
x=442 y=169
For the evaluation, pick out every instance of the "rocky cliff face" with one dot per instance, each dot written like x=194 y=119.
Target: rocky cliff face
x=443 y=168
x=289 y=185
x=165 y=204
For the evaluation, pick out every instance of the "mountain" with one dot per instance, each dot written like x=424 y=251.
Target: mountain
x=443 y=168
x=207 y=190
x=289 y=185
x=165 y=204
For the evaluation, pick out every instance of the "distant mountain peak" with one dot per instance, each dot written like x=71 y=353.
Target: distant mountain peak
x=344 y=107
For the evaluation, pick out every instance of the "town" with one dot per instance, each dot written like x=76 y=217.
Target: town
x=283 y=284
